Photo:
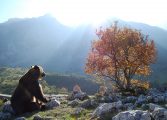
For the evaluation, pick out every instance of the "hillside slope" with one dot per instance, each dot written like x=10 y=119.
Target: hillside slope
x=52 y=83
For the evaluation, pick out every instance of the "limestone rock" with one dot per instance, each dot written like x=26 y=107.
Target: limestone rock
x=153 y=106
x=7 y=108
x=52 y=104
x=132 y=115
x=38 y=117
x=159 y=114
x=128 y=106
x=130 y=99
x=20 y=118
x=78 y=111
x=141 y=100
x=89 y=104
x=106 y=108
x=5 y=116
x=73 y=103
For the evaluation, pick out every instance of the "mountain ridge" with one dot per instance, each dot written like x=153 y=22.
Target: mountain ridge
x=45 y=41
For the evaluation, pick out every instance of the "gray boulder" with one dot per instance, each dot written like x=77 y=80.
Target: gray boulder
x=150 y=98
x=133 y=115
x=153 y=91
x=145 y=106
x=77 y=111
x=73 y=103
x=5 y=116
x=78 y=95
x=38 y=117
x=159 y=98
x=106 y=108
x=141 y=100
x=20 y=118
x=153 y=106
x=130 y=99
x=128 y=106
x=7 y=108
x=159 y=114
x=52 y=104
x=90 y=103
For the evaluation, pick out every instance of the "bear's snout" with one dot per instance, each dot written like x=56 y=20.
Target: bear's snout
x=43 y=74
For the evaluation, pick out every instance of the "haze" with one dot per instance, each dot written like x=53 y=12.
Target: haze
x=76 y=12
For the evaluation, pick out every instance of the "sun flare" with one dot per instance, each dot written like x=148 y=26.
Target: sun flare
x=76 y=12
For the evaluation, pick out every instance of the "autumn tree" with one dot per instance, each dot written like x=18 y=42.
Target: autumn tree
x=121 y=55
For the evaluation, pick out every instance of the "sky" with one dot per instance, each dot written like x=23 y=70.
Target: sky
x=75 y=12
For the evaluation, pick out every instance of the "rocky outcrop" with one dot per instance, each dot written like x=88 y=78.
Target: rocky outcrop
x=147 y=105
x=133 y=115
x=159 y=114
x=38 y=117
x=90 y=103
x=78 y=95
x=73 y=103
x=52 y=104
x=106 y=108
x=20 y=118
x=5 y=116
x=7 y=108
x=77 y=111
x=130 y=99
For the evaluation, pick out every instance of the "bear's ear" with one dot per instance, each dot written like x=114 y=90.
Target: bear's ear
x=36 y=67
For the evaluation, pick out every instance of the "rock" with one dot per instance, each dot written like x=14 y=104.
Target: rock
x=159 y=114
x=80 y=96
x=107 y=108
x=159 y=98
x=73 y=103
x=141 y=100
x=165 y=99
x=89 y=104
x=7 y=108
x=166 y=106
x=78 y=111
x=153 y=91
x=52 y=104
x=128 y=106
x=145 y=106
x=20 y=118
x=76 y=89
x=132 y=115
x=156 y=96
x=38 y=117
x=108 y=99
x=130 y=99
x=5 y=116
x=149 y=98
x=153 y=106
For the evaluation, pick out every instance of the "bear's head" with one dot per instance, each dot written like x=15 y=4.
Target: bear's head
x=37 y=72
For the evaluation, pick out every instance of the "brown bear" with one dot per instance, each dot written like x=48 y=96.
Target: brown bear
x=28 y=95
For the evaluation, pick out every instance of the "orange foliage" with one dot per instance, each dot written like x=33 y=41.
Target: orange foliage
x=140 y=84
x=120 y=54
